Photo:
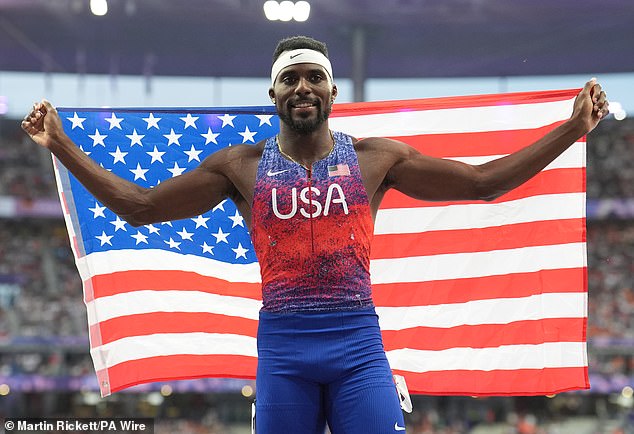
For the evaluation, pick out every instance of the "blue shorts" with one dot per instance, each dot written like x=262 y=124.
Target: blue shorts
x=324 y=367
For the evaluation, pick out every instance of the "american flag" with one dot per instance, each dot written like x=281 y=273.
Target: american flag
x=474 y=298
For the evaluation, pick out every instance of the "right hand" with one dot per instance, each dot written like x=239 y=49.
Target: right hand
x=43 y=124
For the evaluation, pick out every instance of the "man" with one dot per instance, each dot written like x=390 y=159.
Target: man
x=309 y=197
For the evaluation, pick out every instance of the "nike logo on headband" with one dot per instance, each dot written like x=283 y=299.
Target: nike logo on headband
x=292 y=56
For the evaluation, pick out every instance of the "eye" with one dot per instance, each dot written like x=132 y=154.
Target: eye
x=289 y=79
x=317 y=77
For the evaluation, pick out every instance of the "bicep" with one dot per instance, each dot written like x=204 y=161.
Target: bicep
x=429 y=178
x=186 y=195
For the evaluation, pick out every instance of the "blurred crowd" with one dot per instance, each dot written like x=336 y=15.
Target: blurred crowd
x=21 y=166
x=610 y=160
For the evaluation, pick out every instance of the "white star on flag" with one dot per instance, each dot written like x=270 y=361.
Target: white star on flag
x=210 y=136
x=153 y=229
x=240 y=251
x=114 y=121
x=78 y=122
x=172 y=137
x=139 y=173
x=156 y=155
x=173 y=244
x=237 y=219
x=200 y=221
x=220 y=206
x=98 y=211
x=152 y=122
x=193 y=154
x=190 y=121
x=118 y=224
x=135 y=138
x=176 y=171
x=185 y=235
x=247 y=136
x=221 y=237
x=118 y=156
x=140 y=238
x=264 y=119
x=104 y=239
x=226 y=119
x=207 y=248
x=97 y=138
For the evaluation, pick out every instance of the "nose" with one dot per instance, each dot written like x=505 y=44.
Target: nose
x=303 y=86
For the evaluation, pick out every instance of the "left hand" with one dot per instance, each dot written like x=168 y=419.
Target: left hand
x=591 y=106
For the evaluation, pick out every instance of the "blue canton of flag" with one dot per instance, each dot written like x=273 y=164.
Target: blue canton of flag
x=148 y=148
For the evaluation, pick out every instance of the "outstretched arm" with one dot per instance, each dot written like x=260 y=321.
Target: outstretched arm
x=183 y=196
x=430 y=178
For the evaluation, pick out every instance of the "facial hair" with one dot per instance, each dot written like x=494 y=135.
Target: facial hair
x=305 y=126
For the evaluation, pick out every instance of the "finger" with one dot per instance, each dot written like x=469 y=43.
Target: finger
x=604 y=110
x=28 y=128
x=589 y=86
x=596 y=92
x=47 y=106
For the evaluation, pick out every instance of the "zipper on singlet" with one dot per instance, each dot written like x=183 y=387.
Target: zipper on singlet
x=309 y=174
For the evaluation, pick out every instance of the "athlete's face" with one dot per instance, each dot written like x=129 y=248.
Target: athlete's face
x=303 y=96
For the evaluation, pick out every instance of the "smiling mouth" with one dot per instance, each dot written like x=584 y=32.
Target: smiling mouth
x=304 y=104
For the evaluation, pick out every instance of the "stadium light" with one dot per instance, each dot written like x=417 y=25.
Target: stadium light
x=301 y=11
x=286 y=10
x=4 y=105
x=99 y=7
x=616 y=108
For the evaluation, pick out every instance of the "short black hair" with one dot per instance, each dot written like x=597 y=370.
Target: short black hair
x=297 y=42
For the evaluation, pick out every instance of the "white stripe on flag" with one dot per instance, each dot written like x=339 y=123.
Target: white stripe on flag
x=114 y=261
x=491 y=311
x=572 y=158
x=166 y=344
x=478 y=264
x=454 y=120
x=544 y=207
x=147 y=301
x=547 y=355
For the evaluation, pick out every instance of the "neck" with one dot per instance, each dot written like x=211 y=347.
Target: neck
x=305 y=149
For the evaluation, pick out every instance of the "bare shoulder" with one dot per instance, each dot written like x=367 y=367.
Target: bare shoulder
x=238 y=165
x=234 y=158
x=377 y=156
x=380 y=148
x=379 y=144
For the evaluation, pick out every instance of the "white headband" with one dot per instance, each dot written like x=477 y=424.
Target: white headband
x=302 y=55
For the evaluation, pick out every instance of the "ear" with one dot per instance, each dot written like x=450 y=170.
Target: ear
x=272 y=95
x=334 y=92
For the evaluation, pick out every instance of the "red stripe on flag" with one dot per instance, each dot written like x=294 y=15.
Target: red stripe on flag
x=497 y=382
x=554 y=181
x=541 y=233
x=568 y=280
x=188 y=366
x=378 y=107
x=529 y=332
x=165 y=280
x=172 y=322
x=479 y=143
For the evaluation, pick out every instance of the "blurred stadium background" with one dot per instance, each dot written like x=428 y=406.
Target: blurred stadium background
x=217 y=52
